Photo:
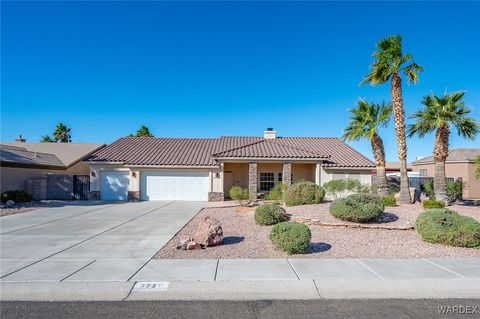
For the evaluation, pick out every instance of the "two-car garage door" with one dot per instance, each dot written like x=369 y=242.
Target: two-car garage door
x=156 y=185
x=174 y=186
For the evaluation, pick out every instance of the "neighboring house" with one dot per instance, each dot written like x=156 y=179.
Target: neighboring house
x=21 y=161
x=202 y=169
x=460 y=163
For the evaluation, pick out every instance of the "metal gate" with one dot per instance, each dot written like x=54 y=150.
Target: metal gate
x=81 y=186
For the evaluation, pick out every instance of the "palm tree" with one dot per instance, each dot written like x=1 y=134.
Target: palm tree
x=62 y=134
x=143 y=131
x=390 y=62
x=439 y=114
x=365 y=121
x=46 y=139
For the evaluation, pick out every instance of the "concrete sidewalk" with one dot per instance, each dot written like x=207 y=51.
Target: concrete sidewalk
x=247 y=279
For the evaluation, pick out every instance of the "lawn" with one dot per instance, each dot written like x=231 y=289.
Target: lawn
x=245 y=239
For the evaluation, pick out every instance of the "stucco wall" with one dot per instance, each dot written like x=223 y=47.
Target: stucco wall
x=14 y=177
x=328 y=174
x=240 y=173
x=303 y=171
x=471 y=188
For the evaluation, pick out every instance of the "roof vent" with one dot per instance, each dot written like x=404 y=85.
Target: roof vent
x=20 y=139
x=270 y=133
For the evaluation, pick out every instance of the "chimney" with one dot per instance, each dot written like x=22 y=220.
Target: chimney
x=20 y=139
x=270 y=134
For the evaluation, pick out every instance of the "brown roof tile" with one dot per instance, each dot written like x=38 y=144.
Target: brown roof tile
x=454 y=155
x=203 y=151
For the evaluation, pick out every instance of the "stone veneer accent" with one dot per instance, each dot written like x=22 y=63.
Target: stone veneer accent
x=93 y=195
x=216 y=196
x=133 y=196
x=252 y=181
x=287 y=174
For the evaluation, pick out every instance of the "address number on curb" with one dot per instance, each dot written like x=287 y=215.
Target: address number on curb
x=151 y=286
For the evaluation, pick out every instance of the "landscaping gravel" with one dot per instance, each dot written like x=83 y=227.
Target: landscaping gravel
x=27 y=207
x=245 y=239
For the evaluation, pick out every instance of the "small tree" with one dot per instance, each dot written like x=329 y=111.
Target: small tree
x=143 y=131
x=46 y=139
x=241 y=195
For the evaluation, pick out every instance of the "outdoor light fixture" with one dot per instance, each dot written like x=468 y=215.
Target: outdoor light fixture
x=93 y=174
x=134 y=174
x=217 y=175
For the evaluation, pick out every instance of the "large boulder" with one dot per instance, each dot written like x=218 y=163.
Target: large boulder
x=209 y=233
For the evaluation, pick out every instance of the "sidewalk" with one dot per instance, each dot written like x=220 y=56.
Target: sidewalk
x=249 y=279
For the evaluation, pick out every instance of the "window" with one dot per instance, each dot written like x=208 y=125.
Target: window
x=280 y=177
x=267 y=181
x=423 y=172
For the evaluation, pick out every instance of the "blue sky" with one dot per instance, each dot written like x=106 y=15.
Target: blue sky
x=222 y=68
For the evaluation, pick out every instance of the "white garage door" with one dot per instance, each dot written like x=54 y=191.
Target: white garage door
x=174 y=186
x=114 y=185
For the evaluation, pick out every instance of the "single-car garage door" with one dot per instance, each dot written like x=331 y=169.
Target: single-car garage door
x=174 y=186
x=114 y=185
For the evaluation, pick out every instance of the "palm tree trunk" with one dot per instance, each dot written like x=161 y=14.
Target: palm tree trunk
x=440 y=156
x=399 y=119
x=379 y=154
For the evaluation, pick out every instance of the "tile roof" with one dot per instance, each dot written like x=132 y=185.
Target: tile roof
x=204 y=151
x=454 y=155
x=21 y=156
x=67 y=153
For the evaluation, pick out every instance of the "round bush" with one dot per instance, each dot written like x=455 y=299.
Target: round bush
x=291 y=237
x=432 y=203
x=304 y=193
x=270 y=215
x=444 y=226
x=359 y=208
x=17 y=196
x=389 y=200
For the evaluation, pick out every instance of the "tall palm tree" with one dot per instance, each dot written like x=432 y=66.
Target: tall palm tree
x=143 y=131
x=365 y=122
x=46 y=139
x=439 y=114
x=388 y=65
x=62 y=134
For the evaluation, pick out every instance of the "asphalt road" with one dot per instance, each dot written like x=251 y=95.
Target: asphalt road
x=368 y=309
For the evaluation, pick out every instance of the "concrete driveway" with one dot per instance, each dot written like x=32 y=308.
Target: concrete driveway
x=88 y=241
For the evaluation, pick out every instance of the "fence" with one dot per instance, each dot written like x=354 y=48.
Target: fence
x=59 y=186
x=417 y=182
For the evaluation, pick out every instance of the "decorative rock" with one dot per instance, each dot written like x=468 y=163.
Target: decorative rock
x=209 y=233
x=10 y=203
x=184 y=240
x=191 y=245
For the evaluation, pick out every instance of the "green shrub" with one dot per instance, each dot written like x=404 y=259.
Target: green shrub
x=357 y=208
x=241 y=195
x=454 y=190
x=447 y=227
x=270 y=214
x=17 y=196
x=432 y=203
x=339 y=188
x=389 y=200
x=304 y=193
x=277 y=192
x=428 y=189
x=291 y=237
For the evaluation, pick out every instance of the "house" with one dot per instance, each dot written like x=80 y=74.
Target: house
x=147 y=168
x=460 y=163
x=21 y=161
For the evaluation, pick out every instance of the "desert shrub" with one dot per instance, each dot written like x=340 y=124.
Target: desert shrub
x=17 y=196
x=447 y=227
x=428 y=189
x=291 y=237
x=277 y=192
x=239 y=194
x=339 y=188
x=454 y=190
x=357 y=208
x=432 y=203
x=304 y=193
x=270 y=214
x=389 y=200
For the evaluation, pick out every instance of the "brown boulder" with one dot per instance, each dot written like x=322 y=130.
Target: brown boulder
x=209 y=233
x=184 y=240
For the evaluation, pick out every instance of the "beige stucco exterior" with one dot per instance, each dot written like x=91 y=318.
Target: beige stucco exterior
x=465 y=170
x=13 y=178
